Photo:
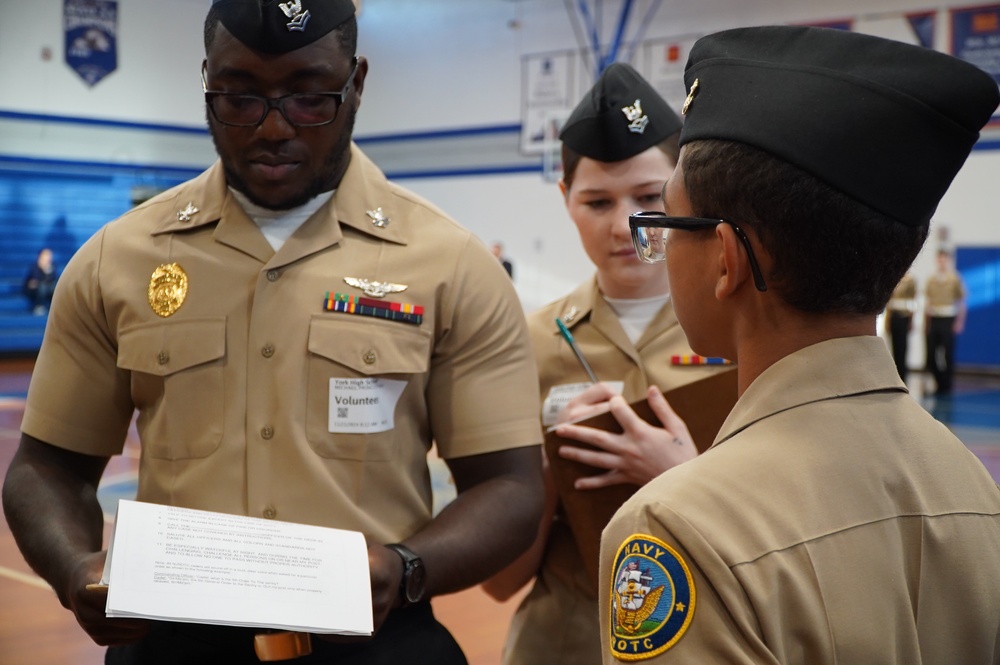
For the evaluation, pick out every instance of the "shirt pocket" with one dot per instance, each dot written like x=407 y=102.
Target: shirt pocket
x=177 y=384
x=349 y=348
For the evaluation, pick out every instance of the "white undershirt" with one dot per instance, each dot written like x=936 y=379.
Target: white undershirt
x=279 y=225
x=636 y=315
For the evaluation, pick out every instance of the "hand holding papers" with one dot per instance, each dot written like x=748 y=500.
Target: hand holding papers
x=178 y=564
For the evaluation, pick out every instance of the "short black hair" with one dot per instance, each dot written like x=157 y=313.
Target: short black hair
x=347 y=32
x=829 y=252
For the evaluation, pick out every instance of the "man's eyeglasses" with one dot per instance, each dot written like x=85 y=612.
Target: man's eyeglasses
x=650 y=239
x=302 y=109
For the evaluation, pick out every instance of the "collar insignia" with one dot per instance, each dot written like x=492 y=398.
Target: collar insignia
x=570 y=316
x=636 y=118
x=293 y=10
x=652 y=598
x=185 y=214
x=373 y=288
x=378 y=218
x=690 y=98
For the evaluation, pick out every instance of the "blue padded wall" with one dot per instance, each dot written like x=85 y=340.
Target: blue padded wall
x=55 y=206
x=980 y=270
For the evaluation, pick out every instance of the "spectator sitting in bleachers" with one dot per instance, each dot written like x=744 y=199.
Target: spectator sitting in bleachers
x=41 y=282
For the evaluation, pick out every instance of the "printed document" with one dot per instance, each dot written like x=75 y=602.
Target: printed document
x=178 y=564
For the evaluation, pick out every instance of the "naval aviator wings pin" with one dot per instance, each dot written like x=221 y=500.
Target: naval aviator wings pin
x=373 y=288
x=168 y=288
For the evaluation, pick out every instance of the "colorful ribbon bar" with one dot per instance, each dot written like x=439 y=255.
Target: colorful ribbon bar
x=698 y=360
x=380 y=309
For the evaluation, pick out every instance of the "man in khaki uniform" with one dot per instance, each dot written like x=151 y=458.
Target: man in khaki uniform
x=833 y=520
x=294 y=331
x=899 y=321
x=623 y=323
x=944 y=318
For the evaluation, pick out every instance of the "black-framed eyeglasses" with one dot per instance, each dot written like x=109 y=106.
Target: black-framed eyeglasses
x=650 y=240
x=300 y=109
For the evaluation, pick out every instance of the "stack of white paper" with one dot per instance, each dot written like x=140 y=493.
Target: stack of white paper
x=196 y=566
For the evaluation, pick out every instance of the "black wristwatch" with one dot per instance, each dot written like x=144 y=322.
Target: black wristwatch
x=413 y=585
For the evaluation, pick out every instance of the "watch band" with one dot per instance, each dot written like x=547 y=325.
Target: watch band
x=413 y=574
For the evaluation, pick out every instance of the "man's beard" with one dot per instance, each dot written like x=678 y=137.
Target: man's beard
x=325 y=180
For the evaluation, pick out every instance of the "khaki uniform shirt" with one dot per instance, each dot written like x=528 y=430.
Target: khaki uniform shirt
x=833 y=521
x=235 y=390
x=944 y=294
x=904 y=296
x=557 y=621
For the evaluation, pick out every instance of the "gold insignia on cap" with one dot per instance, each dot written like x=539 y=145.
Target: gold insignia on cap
x=293 y=10
x=373 y=288
x=637 y=120
x=378 y=217
x=692 y=93
x=186 y=214
x=168 y=288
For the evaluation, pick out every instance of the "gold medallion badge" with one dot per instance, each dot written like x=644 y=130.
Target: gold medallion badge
x=167 y=289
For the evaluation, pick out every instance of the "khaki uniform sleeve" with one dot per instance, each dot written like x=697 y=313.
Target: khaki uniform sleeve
x=721 y=627
x=79 y=399
x=483 y=390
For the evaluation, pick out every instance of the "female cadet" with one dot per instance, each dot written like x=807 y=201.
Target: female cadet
x=619 y=146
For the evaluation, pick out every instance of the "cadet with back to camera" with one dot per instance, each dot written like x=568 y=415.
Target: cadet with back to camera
x=833 y=520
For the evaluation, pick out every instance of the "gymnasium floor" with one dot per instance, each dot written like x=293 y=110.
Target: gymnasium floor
x=35 y=630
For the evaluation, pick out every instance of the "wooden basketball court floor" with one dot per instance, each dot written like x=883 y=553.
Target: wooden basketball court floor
x=36 y=630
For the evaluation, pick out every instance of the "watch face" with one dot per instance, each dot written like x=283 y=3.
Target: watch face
x=415 y=580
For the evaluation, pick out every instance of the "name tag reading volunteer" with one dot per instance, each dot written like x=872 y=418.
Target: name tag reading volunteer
x=363 y=406
x=559 y=397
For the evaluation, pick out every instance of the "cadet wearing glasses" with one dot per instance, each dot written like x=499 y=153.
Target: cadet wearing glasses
x=206 y=310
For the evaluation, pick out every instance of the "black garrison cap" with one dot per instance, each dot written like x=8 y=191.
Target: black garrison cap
x=271 y=26
x=619 y=117
x=887 y=123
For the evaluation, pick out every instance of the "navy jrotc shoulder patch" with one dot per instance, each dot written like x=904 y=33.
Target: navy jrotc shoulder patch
x=652 y=598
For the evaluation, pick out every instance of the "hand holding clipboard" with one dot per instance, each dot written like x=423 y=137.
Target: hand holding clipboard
x=702 y=405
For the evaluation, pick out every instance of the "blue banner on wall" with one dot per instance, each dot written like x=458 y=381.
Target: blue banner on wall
x=922 y=24
x=91 y=28
x=980 y=270
x=975 y=38
x=846 y=24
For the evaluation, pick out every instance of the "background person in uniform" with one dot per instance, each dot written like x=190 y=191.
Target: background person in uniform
x=40 y=282
x=212 y=309
x=833 y=520
x=944 y=318
x=899 y=320
x=497 y=250
x=618 y=148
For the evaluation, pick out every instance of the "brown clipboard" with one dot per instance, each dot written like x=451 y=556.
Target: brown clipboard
x=703 y=406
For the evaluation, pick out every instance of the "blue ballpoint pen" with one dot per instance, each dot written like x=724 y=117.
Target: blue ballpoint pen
x=572 y=344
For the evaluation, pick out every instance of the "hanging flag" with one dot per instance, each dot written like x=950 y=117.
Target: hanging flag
x=922 y=24
x=91 y=28
x=975 y=38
